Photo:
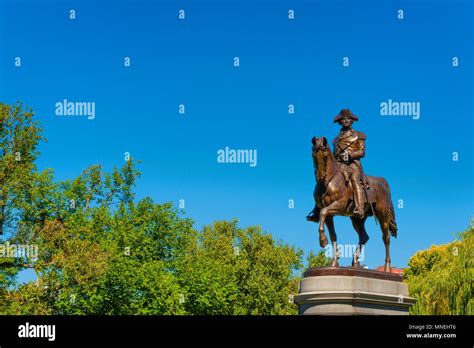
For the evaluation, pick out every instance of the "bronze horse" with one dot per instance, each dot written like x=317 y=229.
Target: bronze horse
x=334 y=196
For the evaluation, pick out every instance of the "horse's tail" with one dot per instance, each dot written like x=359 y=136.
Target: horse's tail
x=391 y=214
x=392 y=223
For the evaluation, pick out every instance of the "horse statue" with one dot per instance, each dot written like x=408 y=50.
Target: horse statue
x=334 y=195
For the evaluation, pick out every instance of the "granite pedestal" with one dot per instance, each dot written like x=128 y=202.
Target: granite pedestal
x=352 y=291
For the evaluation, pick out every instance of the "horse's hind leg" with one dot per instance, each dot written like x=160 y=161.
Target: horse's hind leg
x=386 y=240
x=332 y=235
x=384 y=219
x=359 y=226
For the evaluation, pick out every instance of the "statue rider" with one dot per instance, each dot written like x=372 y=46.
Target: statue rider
x=349 y=148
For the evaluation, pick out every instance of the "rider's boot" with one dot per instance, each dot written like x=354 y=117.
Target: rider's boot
x=358 y=199
x=314 y=215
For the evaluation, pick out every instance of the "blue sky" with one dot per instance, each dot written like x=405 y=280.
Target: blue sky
x=282 y=62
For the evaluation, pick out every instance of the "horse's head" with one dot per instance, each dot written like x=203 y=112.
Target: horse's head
x=320 y=147
x=322 y=157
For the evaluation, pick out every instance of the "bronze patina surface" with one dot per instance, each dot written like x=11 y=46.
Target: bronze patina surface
x=342 y=189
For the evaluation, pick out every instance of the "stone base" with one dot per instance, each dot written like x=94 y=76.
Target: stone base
x=352 y=291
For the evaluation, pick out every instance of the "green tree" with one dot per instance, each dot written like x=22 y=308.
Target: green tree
x=95 y=259
x=441 y=277
x=102 y=252
x=229 y=270
x=19 y=137
x=318 y=260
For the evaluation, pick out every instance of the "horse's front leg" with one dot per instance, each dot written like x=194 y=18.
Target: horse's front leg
x=332 y=235
x=323 y=241
x=334 y=208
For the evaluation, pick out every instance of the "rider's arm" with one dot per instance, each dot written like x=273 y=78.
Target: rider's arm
x=360 y=152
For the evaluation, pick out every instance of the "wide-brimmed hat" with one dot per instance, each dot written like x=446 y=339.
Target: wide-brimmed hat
x=345 y=113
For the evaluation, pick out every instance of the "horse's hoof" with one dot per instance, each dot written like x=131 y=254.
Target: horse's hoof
x=323 y=241
x=387 y=268
x=335 y=263
x=356 y=264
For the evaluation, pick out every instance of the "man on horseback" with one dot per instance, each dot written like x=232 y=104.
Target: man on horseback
x=340 y=189
x=349 y=148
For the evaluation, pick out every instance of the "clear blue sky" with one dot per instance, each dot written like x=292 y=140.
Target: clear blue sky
x=282 y=62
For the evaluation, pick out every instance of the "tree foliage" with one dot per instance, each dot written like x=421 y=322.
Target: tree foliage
x=103 y=252
x=19 y=137
x=441 y=277
x=229 y=270
x=318 y=260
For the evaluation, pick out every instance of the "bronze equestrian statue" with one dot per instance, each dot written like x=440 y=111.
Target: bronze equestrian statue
x=343 y=189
